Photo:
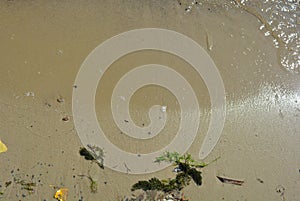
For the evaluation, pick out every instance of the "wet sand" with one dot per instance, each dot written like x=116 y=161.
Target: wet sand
x=42 y=46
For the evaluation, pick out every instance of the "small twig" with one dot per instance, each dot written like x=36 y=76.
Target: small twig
x=93 y=183
x=230 y=181
x=213 y=160
x=127 y=168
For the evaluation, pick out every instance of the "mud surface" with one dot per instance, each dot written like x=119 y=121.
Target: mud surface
x=44 y=43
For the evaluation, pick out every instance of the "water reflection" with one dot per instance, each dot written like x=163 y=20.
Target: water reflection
x=280 y=20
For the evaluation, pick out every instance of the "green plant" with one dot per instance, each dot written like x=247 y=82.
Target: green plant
x=93 y=183
x=29 y=186
x=176 y=159
x=187 y=169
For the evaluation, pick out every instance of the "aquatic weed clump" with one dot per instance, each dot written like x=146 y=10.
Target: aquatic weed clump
x=187 y=169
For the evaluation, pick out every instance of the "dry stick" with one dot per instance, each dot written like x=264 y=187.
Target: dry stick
x=36 y=134
x=127 y=168
x=230 y=181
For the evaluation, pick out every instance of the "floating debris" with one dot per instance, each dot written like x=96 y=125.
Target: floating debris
x=230 y=181
x=95 y=154
x=61 y=194
x=59 y=52
x=98 y=154
x=87 y=155
x=29 y=94
x=209 y=41
x=3 y=147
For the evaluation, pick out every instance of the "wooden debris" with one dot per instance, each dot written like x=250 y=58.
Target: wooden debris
x=230 y=181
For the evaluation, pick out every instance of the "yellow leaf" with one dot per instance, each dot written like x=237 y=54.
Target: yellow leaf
x=61 y=194
x=3 y=147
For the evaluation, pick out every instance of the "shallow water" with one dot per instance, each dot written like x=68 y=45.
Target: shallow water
x=44 y=44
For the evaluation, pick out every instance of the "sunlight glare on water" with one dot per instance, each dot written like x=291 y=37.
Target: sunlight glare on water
x=280 y=20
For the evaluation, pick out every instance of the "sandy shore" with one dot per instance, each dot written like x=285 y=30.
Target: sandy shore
x=44 y=43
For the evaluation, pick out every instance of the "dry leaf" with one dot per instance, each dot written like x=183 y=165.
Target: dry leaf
x=3 y=147
x=61 y=194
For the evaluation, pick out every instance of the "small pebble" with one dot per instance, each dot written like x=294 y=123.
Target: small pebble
x=280 y=189
x=60 y=100
x=29 y=94
x=59 y=52
x=66 y=118
x=260 y=180
x=122 y=98
x=163 y=108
